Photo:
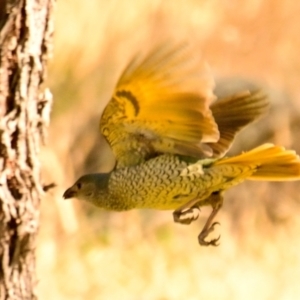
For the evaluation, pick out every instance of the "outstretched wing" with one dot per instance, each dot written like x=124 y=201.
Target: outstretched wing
x=161 y=105
x=234 y=113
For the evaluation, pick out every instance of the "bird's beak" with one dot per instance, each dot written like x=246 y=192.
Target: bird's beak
x=69 y=193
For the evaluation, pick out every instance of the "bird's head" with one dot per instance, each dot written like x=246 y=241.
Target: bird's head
x=89 y=187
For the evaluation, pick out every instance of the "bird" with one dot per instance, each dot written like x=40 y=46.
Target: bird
x=170 y=137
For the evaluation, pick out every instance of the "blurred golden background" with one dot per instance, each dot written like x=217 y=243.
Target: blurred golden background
x=86 y=253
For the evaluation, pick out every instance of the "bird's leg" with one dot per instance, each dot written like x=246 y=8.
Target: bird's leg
x=186 y=213
x=216 y=201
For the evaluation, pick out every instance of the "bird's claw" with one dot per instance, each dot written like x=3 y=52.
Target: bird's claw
x=205 y=232
x=213 y=242
x=185 y=217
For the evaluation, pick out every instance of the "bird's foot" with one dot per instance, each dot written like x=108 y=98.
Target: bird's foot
x=216 y=202
x=205 y=232
x=186 y=216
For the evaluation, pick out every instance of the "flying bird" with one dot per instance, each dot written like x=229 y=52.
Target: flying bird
x=170 y=136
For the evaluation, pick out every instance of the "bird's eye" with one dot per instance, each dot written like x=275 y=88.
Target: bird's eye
x=78 y=185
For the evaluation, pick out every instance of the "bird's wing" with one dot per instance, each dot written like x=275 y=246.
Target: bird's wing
x=234 y=113
x=161 y=105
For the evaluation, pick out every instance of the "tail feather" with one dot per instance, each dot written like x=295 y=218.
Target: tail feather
x=272 y=163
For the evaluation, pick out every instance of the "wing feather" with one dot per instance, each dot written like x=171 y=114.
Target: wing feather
x=234 y=113
x=161 y=105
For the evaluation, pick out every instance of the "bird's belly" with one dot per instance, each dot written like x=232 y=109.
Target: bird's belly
x=167 y=197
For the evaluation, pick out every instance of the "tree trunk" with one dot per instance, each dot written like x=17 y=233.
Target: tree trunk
x=26 y=29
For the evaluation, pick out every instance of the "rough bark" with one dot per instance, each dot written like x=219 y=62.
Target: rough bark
x=25 y=44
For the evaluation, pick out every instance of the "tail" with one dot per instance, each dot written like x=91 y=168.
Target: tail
x=272 y=163
x=234 y=113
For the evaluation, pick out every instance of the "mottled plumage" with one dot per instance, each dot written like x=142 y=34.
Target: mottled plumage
x=169 y=138
x=168 y=182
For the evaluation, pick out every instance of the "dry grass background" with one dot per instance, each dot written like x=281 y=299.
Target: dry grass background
x=86 y=253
